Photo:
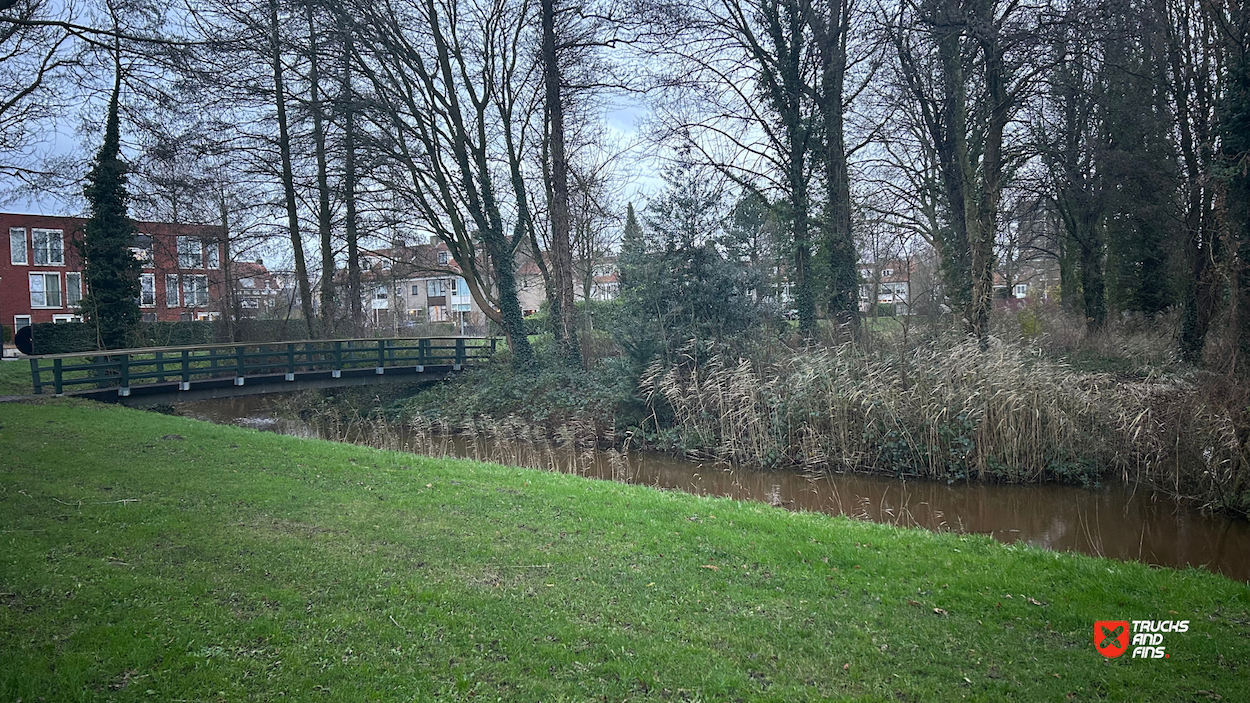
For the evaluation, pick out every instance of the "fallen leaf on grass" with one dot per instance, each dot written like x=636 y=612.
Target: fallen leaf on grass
x=913 y=602
x=1034 y=601
x=939 y=611
x=846 y=667
x=709 y=566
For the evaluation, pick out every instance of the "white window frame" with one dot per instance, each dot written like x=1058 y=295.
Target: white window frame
x=249 y=303
x=62 y=319
x=25 y=247
x=44 y=275
x=173 y=293
x=147 y=283
x=192 y=286
x=71 y=288
x=887 y=272
x=1021 y=290
x=186 y=254
x=444 y=257
x=48 y=250
x=435 y=287
x=18 y=324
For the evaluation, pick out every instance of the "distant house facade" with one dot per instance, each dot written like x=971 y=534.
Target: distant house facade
x=41 y=276
x=412 y=284
x=885 y=283
x=598 y=280
x=263 y=294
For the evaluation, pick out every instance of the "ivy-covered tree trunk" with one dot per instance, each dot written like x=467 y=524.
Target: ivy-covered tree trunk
x=1235 y=130
x=561 y=252
x=112 y=272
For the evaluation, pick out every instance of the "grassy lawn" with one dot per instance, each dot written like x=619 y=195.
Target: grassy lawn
x=15 y=377
x=147 y=557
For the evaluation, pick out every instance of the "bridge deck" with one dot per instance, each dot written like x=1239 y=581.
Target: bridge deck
x=159 y=374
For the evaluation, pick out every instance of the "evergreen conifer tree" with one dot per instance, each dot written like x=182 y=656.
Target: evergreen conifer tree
x=111 y=271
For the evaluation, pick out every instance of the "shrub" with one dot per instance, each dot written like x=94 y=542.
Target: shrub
x=63 y=338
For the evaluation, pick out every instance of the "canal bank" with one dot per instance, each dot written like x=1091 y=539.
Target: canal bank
x=1119 y=521
x=153 y=553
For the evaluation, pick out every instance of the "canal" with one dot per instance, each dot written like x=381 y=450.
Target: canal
x=1117 y=521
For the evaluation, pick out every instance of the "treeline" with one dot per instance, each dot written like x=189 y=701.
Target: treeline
x=852 y=127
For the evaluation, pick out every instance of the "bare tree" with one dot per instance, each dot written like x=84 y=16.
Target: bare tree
x=970 y=67
x=442 y=73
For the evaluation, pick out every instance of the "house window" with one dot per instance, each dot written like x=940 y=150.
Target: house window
x=887 y=272
x=379 y=294
x=20 y=321
x=73 y=289
x=48 y=246
x=443 y=258
x=214 y=255
x=147 y=290
x=462 y=307
x=62 y=319
x=416 y=290
x=1022 y=289
x=459 y=287
x=148 y=317
x=195 y=291
x=434 y=287
x=142 y=250
x=17 y=245
x=247 y=282
x=190 y=253
x=45 y=290
x=249 y=304
x=171 y=290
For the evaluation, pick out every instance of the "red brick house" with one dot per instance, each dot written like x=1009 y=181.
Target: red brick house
x=41 y=273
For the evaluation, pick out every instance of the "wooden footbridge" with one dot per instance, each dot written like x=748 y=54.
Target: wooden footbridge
x=174 y=374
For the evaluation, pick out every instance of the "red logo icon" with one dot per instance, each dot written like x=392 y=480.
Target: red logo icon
x=1111 y=637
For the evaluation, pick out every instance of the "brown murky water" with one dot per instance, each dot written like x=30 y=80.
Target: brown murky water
x=1118 y=521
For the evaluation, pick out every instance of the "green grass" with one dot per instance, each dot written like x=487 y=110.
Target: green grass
x=15 y=377
x=259 y=567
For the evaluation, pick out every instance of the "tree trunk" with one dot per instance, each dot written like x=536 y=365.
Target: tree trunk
x=323 y=181
x=288 y=177
x=838 y=243
x=561 y=252
x=348 y=106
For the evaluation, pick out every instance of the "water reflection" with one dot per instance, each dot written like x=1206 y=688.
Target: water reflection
x=1121 y=521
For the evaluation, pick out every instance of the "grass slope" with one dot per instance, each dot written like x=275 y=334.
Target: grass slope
x=15 y=377
x=256 y=567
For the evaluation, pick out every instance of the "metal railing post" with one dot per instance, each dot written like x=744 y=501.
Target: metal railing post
x=381 y=368
x=185 y=383
x=35 y=376
x=423 y=352
x=239 y=368
x=56 y=376
x=459 y=353
x=124 y=363
x=338 y=361
x=290 y=361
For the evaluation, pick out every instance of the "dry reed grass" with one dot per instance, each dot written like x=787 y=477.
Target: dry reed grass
x=946 y=410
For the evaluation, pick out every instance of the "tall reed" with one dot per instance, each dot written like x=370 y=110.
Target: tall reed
x=947 y=410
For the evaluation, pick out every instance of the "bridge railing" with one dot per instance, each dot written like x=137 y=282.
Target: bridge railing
x=123 y=368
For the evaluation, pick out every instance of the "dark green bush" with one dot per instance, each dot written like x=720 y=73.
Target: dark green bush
x=63 y=338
